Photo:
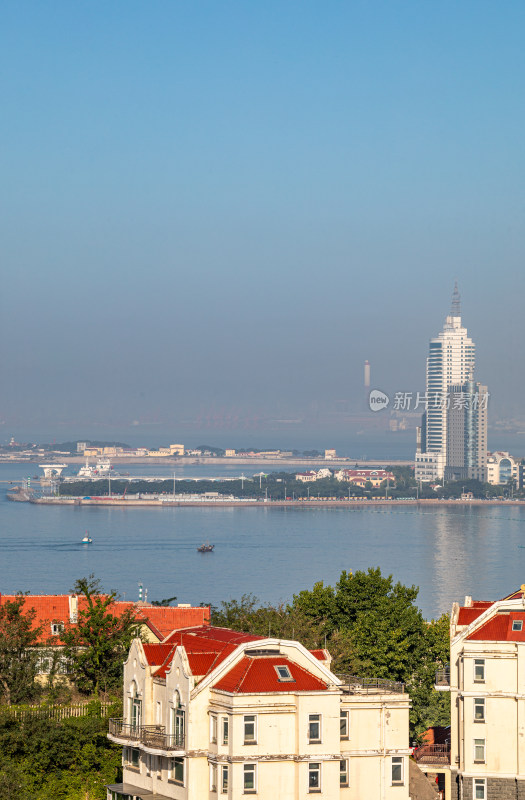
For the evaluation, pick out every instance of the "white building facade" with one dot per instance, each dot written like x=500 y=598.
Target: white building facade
x=450 y=362
x=487 y=684
x=211 y=713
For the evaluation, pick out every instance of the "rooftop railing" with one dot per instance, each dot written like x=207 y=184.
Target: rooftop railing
x=153 y=736
x=356 y=685
x=433 y=754
x=442 y=680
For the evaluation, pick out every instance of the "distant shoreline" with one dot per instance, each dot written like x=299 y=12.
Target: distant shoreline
x=313 y=503
x=216 y=461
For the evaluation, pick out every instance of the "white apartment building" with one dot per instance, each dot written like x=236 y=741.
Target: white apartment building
x=487 y=684
x=450 y=361
x=213 y=713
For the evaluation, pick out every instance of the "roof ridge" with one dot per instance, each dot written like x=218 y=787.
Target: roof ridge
x=244 y=675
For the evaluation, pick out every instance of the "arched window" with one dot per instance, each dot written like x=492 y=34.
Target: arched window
x=177 y=721
x=135 y=706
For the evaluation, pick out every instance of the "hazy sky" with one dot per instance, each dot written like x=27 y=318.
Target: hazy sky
x=231 y=205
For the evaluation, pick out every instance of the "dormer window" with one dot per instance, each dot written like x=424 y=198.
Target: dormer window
x=57 y=628
x=517 y=624
x=284 y=673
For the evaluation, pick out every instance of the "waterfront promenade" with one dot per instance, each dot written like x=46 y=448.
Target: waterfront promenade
x=312 y=503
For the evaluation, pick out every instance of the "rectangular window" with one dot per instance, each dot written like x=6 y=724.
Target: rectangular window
x=397 y=769
x=225 y=730
x=344 y=725
x=314 y=777
x=178 y=770
x=250 y=729
x=480 y=789
x=479 y=709
x=249 y=778
x=517 y=625
x=213 y=777
x=284 y=673
x=479 y=670
x=135 y=757
x=224 y=779
x=343 y=772
x=213 y=729
x=314 y=728
x=479 y=750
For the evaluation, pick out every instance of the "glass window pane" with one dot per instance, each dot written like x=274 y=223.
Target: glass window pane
x=479 y=708
x=314 y=776
x=249 y=776
x=479 y=790
x=178 y=768
x=397 y=769
x=314 y=727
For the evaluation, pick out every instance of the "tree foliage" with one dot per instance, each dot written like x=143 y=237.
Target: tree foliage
x=43 y=759
x=371 y=626
x=18 y=651
x=97 y=646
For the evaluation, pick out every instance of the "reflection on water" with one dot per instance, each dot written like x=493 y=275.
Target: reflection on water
x=448 y=551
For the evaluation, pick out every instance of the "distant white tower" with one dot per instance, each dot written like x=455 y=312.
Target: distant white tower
x=367 y=376
x=451 y=359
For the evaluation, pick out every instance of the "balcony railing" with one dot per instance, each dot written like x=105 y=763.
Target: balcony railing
x=153 y=736
x=433 y=754
x=442 y=680
x=354 y=685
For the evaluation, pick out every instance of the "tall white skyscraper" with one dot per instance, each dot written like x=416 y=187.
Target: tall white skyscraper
x=450 y=363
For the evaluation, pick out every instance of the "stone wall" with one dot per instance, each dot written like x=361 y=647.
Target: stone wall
x=497 y=789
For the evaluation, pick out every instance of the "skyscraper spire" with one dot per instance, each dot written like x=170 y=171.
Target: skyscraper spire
x=456 y=301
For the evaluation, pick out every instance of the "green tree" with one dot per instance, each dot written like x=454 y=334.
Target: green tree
x=97 y=646
x=18 y=651
x=371 y=626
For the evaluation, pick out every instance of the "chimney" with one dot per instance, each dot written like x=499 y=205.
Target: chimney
x=73 y=609
x=468 y=601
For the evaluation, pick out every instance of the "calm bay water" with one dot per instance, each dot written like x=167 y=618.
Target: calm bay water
x=273 y=553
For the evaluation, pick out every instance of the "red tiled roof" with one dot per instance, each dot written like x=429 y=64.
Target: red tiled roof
x=212 y=633
x=166 y=619
x=320 y=655
x=437 y=734
x=48 y=608
x=156 y=653
x=468 y=614
x=517 y=595
x=499 y=628
x=202 y=663
x=252 y=675
x=160 y=619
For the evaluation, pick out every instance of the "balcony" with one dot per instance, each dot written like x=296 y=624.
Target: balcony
x=442 y=680
x=433 y=754
x=354 y=685
x=148 y=737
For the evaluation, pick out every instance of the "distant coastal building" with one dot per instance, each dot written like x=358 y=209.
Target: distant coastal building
x=467 y=432
x=313 y=475
x=504 y=469
x=361 y=476
x=453 y=429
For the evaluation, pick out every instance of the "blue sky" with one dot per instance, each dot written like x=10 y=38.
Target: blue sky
x=232 y=205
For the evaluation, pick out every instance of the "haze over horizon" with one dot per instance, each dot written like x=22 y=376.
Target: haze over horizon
x=224 y=209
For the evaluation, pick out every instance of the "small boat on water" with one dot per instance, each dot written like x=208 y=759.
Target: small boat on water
x=86 y=540
x=205 y=548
